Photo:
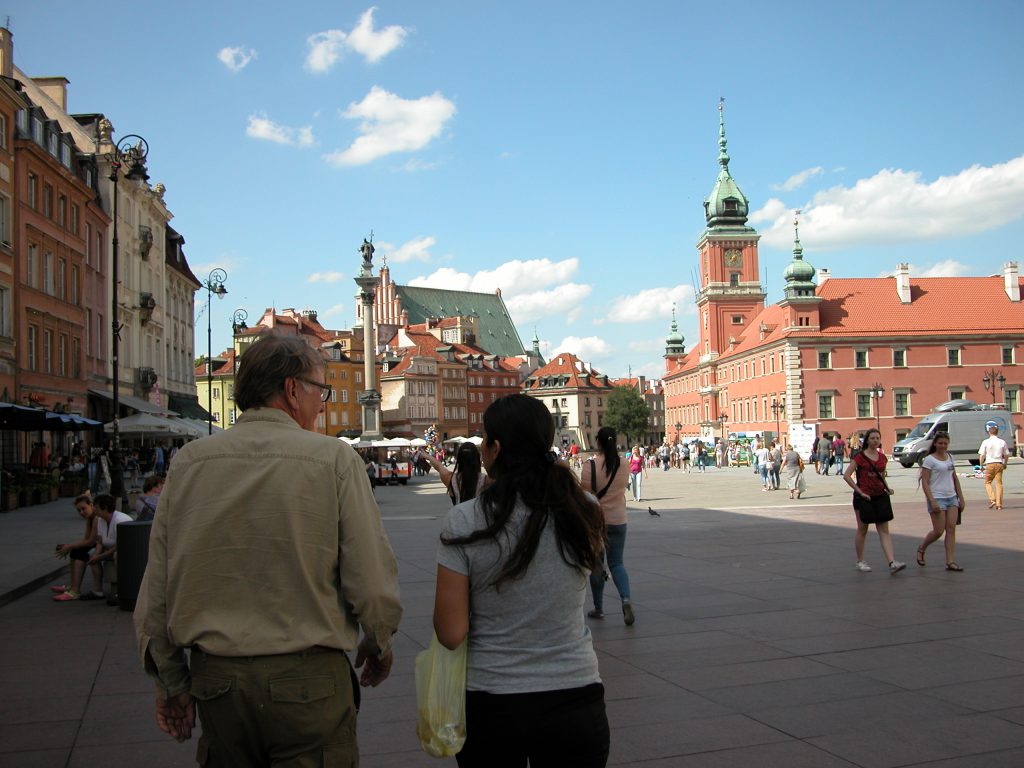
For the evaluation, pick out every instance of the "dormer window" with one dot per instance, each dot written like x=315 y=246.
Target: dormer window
x=730 y=205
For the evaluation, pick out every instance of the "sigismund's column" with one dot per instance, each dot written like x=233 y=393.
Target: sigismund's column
x=369 y=398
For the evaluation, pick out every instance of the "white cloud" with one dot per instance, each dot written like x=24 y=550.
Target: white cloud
x=236 y=59
x=945 y=268
x=586 y=348
x=797 y=180
x=337 y=309
x=513 y=277
x=652 y=304
x=532 y=306
x=417 y=249
x=325 y=277
x=531 y=289
x=325 y=48
x=415 y=165
x=260 y=127
x=897 y=206
x=392 y=124
x=773 y=210
x=372 y=44
x=647 y=345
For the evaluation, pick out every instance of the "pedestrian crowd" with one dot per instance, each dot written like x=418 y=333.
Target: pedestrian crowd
x=271 y=598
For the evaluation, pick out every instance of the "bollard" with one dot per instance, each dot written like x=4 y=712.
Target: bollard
x=132 y=557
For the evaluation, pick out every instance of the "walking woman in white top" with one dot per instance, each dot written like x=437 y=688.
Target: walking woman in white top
x=945 y=499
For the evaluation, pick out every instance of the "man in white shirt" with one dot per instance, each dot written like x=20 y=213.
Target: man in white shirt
x=993 y=455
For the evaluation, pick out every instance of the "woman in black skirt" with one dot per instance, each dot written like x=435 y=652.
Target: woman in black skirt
x=871 y=499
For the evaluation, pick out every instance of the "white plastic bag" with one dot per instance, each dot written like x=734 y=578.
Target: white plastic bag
x=441 y=699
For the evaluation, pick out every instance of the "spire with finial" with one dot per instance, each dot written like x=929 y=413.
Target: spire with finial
x=723 y=156
x=674 y=344
x=798 y=250
x=726 y=206
x=799 y=275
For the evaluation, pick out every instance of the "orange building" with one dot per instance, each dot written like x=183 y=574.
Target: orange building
x=55 y=214
x=836 y=354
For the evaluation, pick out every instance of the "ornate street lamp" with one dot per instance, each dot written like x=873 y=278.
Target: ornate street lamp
x=237 y=326
x=131 y=151
x=679 y=428
x=990 y=379
x=877 y=391
x=214 y=285
x=778 y=408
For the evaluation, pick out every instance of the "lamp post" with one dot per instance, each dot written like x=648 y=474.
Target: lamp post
x=214 y=285
x=132 y=151
x=679 y=428
x=778 y=408
x=237 y=326
x=990 y=379
x=877 y=390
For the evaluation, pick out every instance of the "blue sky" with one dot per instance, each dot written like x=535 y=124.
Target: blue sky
x=560 y=151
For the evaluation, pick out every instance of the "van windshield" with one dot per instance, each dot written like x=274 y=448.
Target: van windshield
x=921 y=429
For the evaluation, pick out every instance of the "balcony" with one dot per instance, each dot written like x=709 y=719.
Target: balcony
x=146 y=378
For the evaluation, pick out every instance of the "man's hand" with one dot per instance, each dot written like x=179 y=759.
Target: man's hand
x=176 y=716
x=376 y=670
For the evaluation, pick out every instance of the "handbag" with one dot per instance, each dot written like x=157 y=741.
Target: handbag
x=441 y=698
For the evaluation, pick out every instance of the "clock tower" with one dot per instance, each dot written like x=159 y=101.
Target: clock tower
x=730 y=288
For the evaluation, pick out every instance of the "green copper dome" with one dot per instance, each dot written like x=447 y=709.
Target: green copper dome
x=799 y=275
x=726 y=205
x=674 y=341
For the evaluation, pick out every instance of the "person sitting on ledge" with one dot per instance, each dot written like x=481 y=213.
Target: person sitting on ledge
x=78 y=552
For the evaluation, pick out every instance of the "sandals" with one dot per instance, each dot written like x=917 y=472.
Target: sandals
x=953 y=567
x=920 y=557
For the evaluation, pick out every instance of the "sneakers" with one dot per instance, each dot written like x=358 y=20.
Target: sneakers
x=66 y=596
x=862 y=566
x=627 y=614
x=595 y=614
x=896 y=566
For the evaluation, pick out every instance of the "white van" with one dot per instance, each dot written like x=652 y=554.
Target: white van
x=965 y=421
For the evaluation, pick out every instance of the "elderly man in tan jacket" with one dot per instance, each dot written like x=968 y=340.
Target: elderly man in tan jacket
x=267 y=556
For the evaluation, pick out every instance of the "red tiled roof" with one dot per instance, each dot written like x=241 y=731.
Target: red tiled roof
x=568 y=365
x=938 y=306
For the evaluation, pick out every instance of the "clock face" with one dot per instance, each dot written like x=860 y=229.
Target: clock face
x=733 y=257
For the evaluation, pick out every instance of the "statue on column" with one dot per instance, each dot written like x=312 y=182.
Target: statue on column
x=367 y=250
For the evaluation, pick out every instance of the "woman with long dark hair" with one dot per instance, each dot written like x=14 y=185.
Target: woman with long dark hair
x=871 y=500
x=604 y=477
x=512 y=573
x=465 y=481
x=945 y=499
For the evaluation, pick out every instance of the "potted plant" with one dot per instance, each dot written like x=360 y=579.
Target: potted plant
x=72 y=483
x=51 y=486
x=11 y=492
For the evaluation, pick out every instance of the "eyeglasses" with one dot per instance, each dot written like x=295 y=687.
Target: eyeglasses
x=325 y=389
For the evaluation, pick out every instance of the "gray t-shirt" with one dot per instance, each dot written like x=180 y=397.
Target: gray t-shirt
x=531 y=635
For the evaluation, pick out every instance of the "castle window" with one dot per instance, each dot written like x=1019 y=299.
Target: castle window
x=860 y=358
x=737 y=319
x=825 y=359
x=734 y=279
x=899 y=358
x=953 y=355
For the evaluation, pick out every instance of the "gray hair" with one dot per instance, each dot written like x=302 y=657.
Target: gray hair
x=267 y=363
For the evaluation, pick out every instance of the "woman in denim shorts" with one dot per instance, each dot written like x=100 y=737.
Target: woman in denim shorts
x=945 y=499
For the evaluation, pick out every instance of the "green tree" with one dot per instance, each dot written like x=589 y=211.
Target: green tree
x=627 y=412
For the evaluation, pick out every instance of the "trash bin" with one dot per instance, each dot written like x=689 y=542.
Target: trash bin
x=132 y=557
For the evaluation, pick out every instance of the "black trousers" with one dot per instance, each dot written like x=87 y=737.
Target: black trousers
x=552 y=729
